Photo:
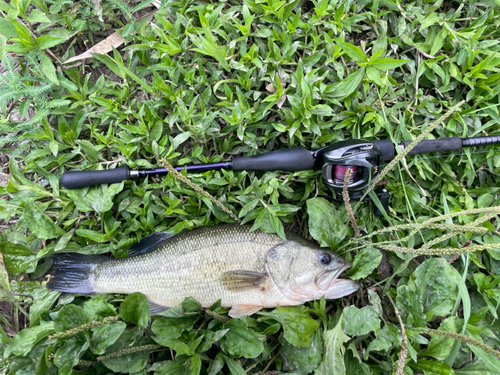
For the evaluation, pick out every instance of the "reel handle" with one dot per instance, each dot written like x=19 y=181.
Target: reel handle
x=288 y=160
x=434 y=145
x=78 y=179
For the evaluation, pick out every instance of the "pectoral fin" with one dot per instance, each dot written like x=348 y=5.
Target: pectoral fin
x=243 y=310
x=240 y=280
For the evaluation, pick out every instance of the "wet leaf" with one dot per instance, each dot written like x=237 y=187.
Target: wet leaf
x=70 y=316
x=41 y=305
x=364 y=263
x=298 y=326
x=106 y=335
x=327 y=224
x=357 y=322
x=99 y=309
x=440 y=347
x=68 y=355
x=172 y=328
x=18 y=258
x=302 y=360
x=23 y=342
x=128 y=363
x=234 y=366
x=333 y=358
x=39 y=223
x=135 y=309
x=410 y=307
x=387 y=337
x=242 y=341
x=436 y=286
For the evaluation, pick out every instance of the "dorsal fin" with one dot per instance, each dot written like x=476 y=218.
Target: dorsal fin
x=149 y=243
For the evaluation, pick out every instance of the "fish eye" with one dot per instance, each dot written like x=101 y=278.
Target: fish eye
x=325 y=259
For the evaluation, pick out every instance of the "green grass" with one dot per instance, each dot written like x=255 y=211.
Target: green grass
x=198 y=82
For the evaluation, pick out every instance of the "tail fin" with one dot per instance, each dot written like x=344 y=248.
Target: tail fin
x=73 y=272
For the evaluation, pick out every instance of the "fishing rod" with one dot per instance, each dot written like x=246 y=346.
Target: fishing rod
x=364 y=159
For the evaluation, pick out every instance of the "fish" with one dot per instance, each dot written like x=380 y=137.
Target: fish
x=246 y=270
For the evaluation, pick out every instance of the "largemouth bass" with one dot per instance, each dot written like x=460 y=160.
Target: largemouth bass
x=246 y=270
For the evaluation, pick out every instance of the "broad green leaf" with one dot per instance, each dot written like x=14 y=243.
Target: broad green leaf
x=474 y=369
x=491 y=361
x=436 y=286
x=135 y=309
x=26 y=339
x=42 y=304
x=7 y=29
x=298 y=326
x=354 y=52
x=242 y=341
x=387 y=338
x=181 y=138
x=333 y=357
x=17 y=257
x=38 y=16
x=365 y=262
x=385 y=63
x=80 y=201
x=302 y=360
x=373 y=75
x=47 y=67
x=172 y=328
x=195 y=364
x=46 y=41
x=327 y=224
x=128 y=363
x=70 y=316
x=234 y=366
x=101 y=199
x=92 y=235
x=176 y=367
x=99 y=309
x=430 y=20
x=4 y=275
x=349 y=84
x=354 y=364
x=494 y=250
x=39 y=223
x=440 y=347
x=106 y=335
x=408 y=304
x=357 y=322
x=434 y=367
x=67 y=356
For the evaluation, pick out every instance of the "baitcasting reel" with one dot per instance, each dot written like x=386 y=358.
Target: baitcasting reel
x=363 y=158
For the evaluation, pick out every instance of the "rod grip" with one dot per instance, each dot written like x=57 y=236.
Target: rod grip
x=79 y=179
x=435 y=145
x=289 y=160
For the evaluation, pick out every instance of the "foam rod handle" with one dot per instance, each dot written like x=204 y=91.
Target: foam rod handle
x=78 y=179
x=289 y=160
x=435 y=145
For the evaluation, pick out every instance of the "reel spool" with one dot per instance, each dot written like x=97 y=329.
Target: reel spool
x=362 y=157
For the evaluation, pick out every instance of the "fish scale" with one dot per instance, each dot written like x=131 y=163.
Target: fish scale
x=244 y=270
x=191 y=264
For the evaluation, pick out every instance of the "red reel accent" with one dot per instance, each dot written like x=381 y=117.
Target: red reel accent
x=339 y=172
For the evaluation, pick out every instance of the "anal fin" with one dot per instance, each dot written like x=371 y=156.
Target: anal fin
x=156 y=308
x=240 y=280
x=243 y=310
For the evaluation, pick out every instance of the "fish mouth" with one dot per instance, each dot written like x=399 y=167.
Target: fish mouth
x=340 y=288
x=328 y=278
